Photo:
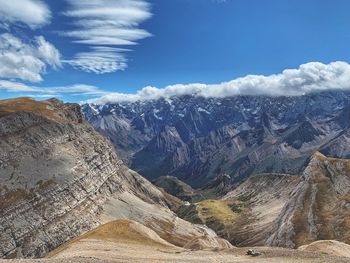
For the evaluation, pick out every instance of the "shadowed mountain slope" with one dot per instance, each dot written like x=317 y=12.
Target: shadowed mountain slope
x=198 y=139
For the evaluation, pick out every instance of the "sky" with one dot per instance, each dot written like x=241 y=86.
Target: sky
x=112 y=50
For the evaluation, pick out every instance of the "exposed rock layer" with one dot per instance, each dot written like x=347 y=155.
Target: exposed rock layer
x=59 y=178
x=283 y=210
x=319 y=208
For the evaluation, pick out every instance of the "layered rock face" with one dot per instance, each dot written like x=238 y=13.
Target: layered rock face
x=59 y=178
x=197 y=139
x=283 y=210
x=319 y=208
x=260 y=201
x=291 y=211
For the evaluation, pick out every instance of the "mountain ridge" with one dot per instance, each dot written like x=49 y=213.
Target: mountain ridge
x=197 y=139
x=60 y=178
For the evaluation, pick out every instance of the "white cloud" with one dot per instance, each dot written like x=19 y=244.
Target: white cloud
x=106 y=24
x=26 y=61
x=108 y=36
x=310 y=77
x=47 y=52
x=33 y=13
x=15 y=86
x=100 y=60
x=77 y=89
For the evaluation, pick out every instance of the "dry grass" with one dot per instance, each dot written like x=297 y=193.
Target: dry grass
x=333 y=160
x=319 y=208
x=117 y=242
x=122 y=230
x=24 y=105
x=118 y=231
x=28 y=105
x=218 y=209
x=167 y=233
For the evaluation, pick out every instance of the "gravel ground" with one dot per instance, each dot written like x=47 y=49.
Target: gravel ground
x=98 y=251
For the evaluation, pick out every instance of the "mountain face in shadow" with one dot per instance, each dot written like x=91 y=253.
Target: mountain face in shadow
x=197 y=139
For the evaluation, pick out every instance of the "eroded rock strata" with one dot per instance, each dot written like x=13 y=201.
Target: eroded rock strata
x=59 y=178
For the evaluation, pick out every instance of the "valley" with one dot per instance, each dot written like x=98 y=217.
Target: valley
x=186 y=131
x=76 y=184
x=81 y=202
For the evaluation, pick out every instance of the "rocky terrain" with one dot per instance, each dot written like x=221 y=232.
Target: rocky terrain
x=66 y=194
x=128 y=241
x=59 y=178
x=175 y=187
x=282 y=210
x=216 y=188
x=330 y=247
x=319 y=207
x=245 y=215
x=197 y=139
x=259 y=200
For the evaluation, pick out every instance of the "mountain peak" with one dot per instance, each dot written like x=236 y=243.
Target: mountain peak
x=317 y=206
x=52 y=109
x=319 y=156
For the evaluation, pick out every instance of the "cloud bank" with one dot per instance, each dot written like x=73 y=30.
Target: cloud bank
x=32 y=13
x=103 y=25
x=26 y=61
x=309 y=77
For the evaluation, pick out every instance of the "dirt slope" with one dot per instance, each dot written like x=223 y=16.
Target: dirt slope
x=330 y=247
x=128 y=241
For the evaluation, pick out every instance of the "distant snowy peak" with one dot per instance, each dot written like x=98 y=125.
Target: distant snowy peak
x=247 y=105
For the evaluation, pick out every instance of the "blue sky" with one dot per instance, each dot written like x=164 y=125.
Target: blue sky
x=76 y=48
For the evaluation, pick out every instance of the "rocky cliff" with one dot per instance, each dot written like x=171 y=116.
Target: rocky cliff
x=319 y=207
x=258 y=202
x=59 y=178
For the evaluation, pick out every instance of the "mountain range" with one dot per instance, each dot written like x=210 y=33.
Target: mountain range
x=67 y=195
x=197 y=139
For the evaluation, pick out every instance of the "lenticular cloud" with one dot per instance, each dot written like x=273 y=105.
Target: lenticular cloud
x=103 y=26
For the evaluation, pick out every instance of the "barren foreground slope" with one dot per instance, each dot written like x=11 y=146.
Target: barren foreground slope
x=330 y=247
x=129 y=241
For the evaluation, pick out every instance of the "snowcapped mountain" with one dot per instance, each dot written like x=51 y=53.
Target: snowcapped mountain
x=196 y=138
